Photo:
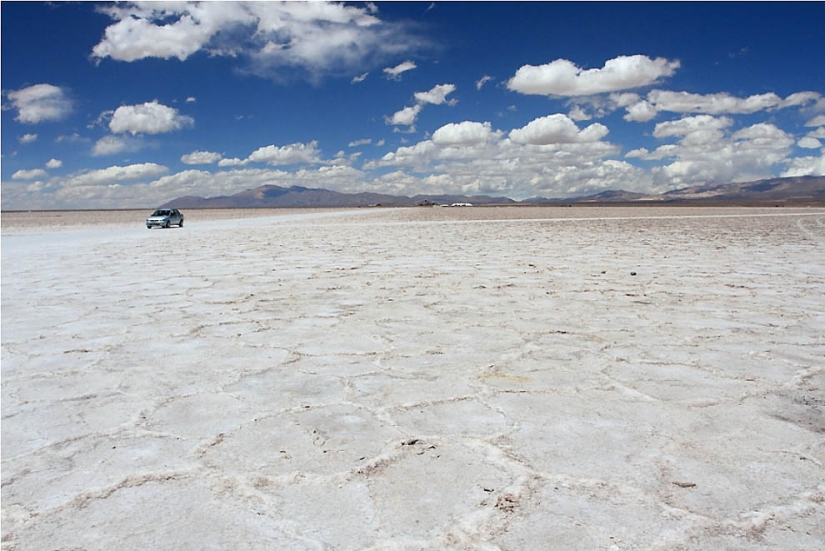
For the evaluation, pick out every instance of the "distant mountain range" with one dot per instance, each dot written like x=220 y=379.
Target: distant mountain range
x=804 y=189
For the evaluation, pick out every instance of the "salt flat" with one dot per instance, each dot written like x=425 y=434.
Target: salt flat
x=478 y=378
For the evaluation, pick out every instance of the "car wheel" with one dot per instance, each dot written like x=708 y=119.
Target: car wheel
x=166 y=225
x=181 y=224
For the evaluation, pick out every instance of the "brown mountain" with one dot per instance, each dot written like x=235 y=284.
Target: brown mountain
x=803 y=189
x=271 y=196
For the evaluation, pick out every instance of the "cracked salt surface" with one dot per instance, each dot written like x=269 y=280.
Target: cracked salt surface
x=488 y=378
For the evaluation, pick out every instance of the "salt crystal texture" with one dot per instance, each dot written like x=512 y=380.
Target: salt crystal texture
x=488 y=378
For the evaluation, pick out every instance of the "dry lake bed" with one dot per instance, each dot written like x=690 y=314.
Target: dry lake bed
x=422 y=378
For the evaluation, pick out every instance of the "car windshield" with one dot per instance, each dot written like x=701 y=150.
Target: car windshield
x=162 y=213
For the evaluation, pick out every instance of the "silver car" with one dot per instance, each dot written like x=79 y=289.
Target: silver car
x=163 y=218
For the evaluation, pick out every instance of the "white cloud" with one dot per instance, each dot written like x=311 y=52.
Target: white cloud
x=748 y=154
x=482 y=81
x=359 y=78
x=805 y=166
x=801 y=98
x=471 y=158
x=809 y=142
x=556 y=129
x=394 y=73
x=115 y=174
x=436 y=95
x=28 y=138
x=640 y=112
x=690 y=125
x=763 y=133
x=563 y=78
x=191 y=99
x=316 y=37
x=230 y=162
x=200 y=158
x=819 y=120
x=28 y=174
x=661 y=152
x=147 y=118
x=818 y=133
x=463 y=134
x=356 y=143
x=577 y=113
x=54 y=163
x=112 y=145
x=40 y=103
x=711 y=104
x=405 y=117
x=624 y=99
x=286 y=155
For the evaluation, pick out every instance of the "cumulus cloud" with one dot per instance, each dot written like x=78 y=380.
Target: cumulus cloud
x=40 y=103
x=437 y=95
x=405 y=117
x=661 y=152
x=315 y=37
x=359 y=78
x=556 y=129
x=200 y=158
x=112 y=145
x=286 y=155
x=805 y=166
x=809 y=142
x=28 y=174
x=234 y=161
x=690 y=125
x=147 y=118
x=763 y=133
x=577 y=113
x=819 y=120
x=394 y=73
x=356 y=143
x=712 y=104
x=563 y=78
x=472 y=158
x=463 y=134
x=747 y=154
x=115 y=174
x=54 y=163
x=28 y=138
x=640 y=112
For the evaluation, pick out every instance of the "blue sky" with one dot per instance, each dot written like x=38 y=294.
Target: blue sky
x=130 y=105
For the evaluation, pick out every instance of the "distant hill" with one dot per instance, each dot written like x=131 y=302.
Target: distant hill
x=785 y=190
x=803 y=188
x=271 y=196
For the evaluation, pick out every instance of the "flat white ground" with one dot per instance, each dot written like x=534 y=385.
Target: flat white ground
x=478 y=378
